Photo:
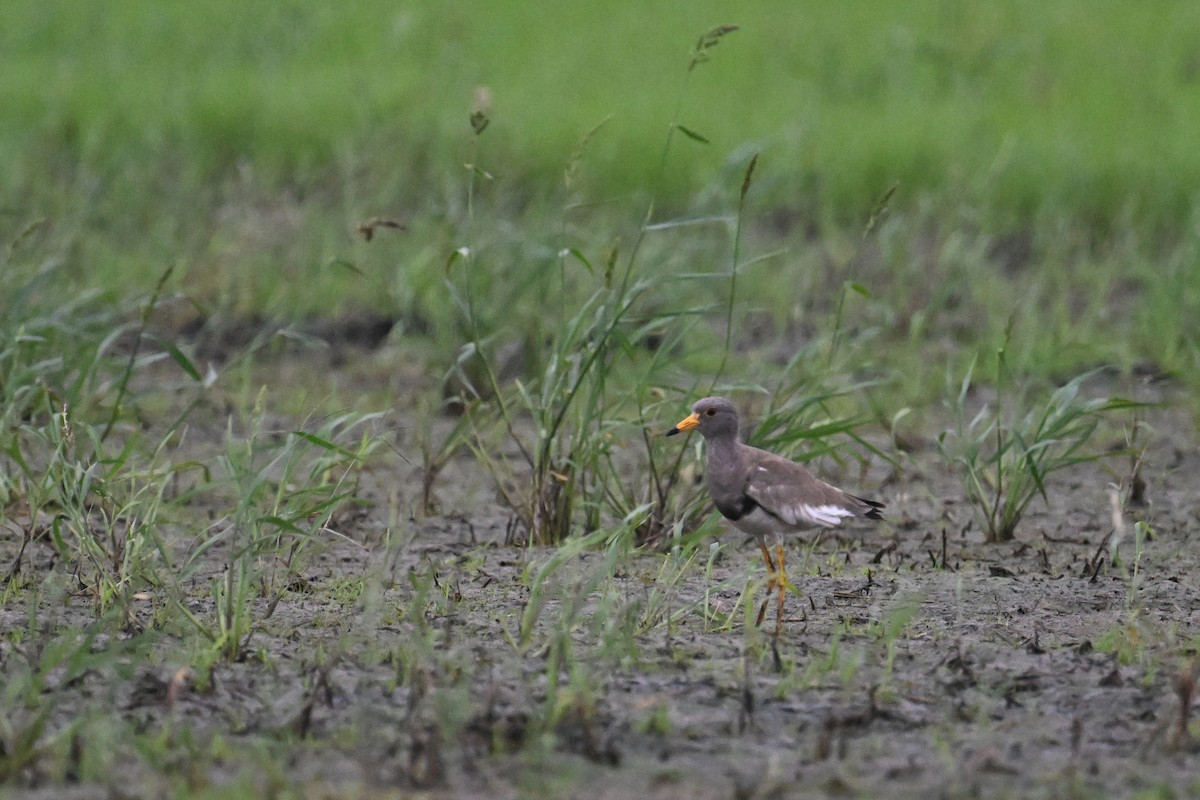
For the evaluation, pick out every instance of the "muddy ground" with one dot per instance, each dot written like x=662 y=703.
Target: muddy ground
x=920 y=661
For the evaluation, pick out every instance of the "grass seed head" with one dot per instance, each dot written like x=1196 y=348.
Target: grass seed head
x=707 y=42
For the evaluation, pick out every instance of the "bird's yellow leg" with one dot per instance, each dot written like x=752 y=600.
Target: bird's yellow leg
x=781 y=581
x=781 y=578
x=772 y=581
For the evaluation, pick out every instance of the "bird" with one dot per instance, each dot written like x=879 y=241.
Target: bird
x=766 y=495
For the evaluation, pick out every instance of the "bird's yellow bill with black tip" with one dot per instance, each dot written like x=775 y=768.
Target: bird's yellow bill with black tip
x=686 y=424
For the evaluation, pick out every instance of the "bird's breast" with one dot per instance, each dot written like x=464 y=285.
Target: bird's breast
x=736 y=509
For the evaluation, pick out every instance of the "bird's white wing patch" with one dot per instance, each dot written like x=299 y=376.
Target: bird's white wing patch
x=825 y=515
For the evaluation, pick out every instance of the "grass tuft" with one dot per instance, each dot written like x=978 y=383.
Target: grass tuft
x=1005 y=456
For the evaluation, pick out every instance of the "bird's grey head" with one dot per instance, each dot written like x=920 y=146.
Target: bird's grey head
x=713 y=416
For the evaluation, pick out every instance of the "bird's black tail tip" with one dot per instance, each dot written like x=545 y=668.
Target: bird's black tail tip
x=876 y=508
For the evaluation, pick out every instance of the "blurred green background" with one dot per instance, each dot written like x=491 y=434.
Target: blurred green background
x=1087 y=106
x=148 y=132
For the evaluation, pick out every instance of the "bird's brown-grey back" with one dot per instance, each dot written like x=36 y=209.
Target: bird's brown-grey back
x=788 y=491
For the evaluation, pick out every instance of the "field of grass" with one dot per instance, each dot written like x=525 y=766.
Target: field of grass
x=280 y=484
x=141 y=123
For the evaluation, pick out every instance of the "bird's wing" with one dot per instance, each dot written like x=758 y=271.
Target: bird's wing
x=790 y=492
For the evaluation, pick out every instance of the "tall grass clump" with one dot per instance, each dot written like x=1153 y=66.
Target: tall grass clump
x=286 y=489
x=67 y=479
x=106 y=499
x=1004 y=455
x=593 y=354
x=102 y=510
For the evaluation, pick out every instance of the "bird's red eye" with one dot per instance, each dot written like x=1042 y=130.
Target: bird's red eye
x=711 y=412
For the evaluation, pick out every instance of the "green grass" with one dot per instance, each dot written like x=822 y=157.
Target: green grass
x=241 y=146
x=1083 y=108
x=141 y=132
x=1006 y=456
